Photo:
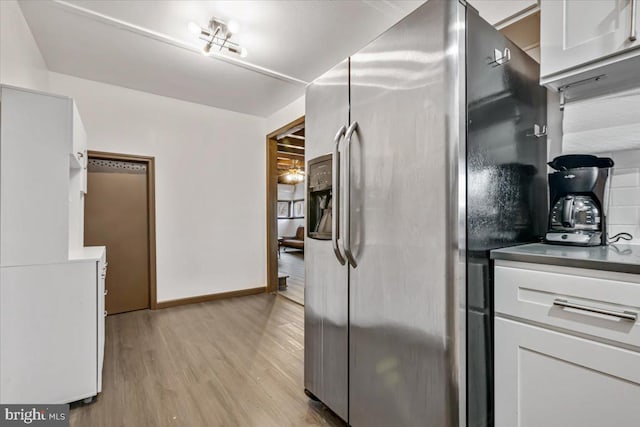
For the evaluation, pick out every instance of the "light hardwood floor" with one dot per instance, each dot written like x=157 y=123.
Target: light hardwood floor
x=233 y=362
x=291 y=263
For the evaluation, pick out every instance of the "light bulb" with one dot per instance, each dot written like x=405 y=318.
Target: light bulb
x=206 y=49
x=243 y=53
x=194 y=28
x=233 y=27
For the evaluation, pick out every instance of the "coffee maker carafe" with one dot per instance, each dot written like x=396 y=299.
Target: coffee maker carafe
x=577 y=193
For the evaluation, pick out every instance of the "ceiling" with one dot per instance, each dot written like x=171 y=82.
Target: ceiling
x=146 y=45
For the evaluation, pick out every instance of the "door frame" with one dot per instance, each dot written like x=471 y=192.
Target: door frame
x=272 y=202
x=151 y=211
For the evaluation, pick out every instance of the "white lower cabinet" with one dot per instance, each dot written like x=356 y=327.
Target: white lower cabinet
x=566 y=366
x=552 y=379
x=48 y=351
x=52 y=331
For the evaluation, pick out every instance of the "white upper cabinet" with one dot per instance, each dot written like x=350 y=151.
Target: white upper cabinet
x=580 y=35
x=41 y=177
x=34 y=178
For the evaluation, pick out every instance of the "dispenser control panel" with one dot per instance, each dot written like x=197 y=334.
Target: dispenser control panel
x=319 y=173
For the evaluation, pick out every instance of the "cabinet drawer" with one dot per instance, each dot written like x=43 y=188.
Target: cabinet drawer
x=525 y=291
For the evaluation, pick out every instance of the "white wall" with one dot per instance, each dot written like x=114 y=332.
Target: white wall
x=282 y=117
x=21 y=63
x=288 y=227
x=210 y=192
x=624 y=203
x=285 y=115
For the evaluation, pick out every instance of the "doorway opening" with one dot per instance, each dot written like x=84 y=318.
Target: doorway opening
x=120 y=214
x=286 y=211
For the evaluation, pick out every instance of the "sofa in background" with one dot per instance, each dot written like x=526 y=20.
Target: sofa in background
x=295 y=242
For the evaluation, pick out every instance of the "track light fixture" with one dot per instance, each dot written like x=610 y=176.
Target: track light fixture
x=218 y=34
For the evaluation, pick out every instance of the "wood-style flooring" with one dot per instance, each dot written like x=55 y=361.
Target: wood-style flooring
x=291 y=263
x=233 y=362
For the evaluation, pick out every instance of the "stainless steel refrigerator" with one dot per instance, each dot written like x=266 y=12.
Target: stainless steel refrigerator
x=425 y=150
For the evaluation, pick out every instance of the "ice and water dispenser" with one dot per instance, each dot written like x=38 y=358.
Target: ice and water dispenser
x=319 y=194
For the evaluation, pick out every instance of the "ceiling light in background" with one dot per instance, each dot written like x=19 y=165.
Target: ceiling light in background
x=218 y=34
x=295 y=176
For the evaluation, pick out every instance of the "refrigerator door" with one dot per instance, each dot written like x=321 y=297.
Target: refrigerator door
x=506 y=173
x=401 y=367
x=326 y=285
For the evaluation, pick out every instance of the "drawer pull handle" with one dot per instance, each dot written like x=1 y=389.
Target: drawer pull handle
x=624 y=315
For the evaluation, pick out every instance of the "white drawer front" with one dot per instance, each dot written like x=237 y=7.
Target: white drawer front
x=530 y=294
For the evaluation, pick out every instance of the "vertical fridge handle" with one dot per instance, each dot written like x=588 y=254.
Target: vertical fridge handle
x=347 y=187
x=335 y=187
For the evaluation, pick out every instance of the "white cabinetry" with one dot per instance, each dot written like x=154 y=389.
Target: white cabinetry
x=577 y=36
x=561 y=366
x=553 y=379
x=44 y=312
x=51 y=286
x=42 y=178
x=101 y=313
x=34 y=178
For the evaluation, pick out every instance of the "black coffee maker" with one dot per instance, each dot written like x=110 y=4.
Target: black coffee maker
x=577 y=193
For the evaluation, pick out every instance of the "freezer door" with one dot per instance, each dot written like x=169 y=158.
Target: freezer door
x=326 y=287
x=401 y=367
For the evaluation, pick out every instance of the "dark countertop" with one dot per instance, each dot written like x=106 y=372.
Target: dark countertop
x=621 y=258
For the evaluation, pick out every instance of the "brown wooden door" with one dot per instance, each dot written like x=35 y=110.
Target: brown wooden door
x=116 y=216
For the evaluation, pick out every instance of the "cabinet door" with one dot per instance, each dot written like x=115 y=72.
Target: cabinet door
x=34 y=178
x=575 y=32
x=546 y=378
x=48 y=333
